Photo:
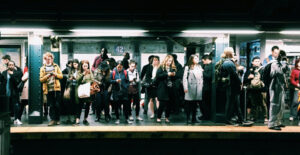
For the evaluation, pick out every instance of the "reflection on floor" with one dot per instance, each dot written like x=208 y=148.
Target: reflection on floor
x=176 y=120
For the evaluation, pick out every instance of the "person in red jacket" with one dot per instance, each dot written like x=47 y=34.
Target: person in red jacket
x=294 y=94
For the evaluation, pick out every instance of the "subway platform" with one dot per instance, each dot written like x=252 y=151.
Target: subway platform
x=148 y=137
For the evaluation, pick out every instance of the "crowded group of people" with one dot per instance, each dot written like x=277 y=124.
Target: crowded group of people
x=110 y=88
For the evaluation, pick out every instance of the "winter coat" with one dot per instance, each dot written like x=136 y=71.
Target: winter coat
x=163 y=91
x=24 y=95
x=44 y=78
x=193 y=82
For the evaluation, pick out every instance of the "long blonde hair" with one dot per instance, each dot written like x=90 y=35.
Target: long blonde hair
x=164 y=63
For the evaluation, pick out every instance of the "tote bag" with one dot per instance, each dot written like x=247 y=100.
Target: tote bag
x=84 y=90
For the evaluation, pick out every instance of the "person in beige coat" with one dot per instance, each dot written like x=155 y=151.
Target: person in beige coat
x=192 y=84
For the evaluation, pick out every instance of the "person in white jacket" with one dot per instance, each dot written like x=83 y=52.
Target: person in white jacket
x=133 y=90
x=192 y=84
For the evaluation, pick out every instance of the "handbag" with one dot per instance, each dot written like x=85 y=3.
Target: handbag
x=84 y=90
x=132 y=89
x=67 y=93
x=94 y=88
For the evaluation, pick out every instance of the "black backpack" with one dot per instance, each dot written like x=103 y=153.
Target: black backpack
x=265 y=74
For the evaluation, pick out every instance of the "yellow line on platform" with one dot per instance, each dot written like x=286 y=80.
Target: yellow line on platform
x=289 y=129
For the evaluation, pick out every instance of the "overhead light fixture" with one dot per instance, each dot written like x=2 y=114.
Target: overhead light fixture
x=108 y=32
x=290 y=32
x=23 y=32
x=16 y=30
x=222 y=31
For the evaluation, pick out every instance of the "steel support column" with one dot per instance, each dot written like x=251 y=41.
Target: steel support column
x=35 y=44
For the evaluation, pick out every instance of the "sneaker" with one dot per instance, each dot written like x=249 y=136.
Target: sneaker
x=131 y=118
x=139 y=118
x=117 y=121
x=291 y=118
x=129 y=121
x=18 y=122
x=51 y=123
x=158 y=120
x=167 y=120
x=152 y=116
x=57 y=122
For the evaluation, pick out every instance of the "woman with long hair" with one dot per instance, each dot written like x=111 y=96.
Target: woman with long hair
x=165 y=77
x=152 y=89
x=84 y=76
x=192 y=84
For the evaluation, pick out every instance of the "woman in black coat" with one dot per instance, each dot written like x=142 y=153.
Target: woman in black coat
x=152 y=90
x=165 y=78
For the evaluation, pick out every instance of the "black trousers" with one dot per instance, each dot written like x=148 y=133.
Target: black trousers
x=21 y=108
x=53 y=99
x=136 y=102
x=205 y=106
x=83 y=102
x=102 y=102
x=232 y=105
x=164 y=106
x=191 y=108
x=126 y=108
x=13 y=106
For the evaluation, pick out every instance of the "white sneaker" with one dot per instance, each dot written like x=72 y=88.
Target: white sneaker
x=117 y=121
x=152 y=116
x=18 y=122
x=139 y=118
x=129 y=122
x=291 y=118
x=131 y=118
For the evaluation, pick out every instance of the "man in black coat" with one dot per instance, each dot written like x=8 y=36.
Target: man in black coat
x=207 y=83
x=11 y=78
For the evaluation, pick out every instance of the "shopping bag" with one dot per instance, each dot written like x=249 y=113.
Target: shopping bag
x=84 y=90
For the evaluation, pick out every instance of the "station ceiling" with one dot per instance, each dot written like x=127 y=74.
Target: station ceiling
x=152 y=15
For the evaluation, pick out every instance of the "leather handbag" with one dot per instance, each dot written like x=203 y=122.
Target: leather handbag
x=67 y=93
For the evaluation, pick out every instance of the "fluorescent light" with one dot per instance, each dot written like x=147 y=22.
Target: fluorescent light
x=223 y=31
x=16 y=30
x=108 y=32
x=290 y=32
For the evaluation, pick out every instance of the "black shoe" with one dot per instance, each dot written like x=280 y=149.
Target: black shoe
x=248 y=123
x=281 y=126
x=230 y=123
x=107 y=119
x=97 y=120
x=275 y=128
x=85 y=122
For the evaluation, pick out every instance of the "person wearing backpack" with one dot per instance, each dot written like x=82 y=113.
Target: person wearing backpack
x=256 y=108
x=277 y=91
x=120 y=85
x=232 y=83
x=102 y=57
x=294 y=79
x=133 y=90
x=266 y=73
